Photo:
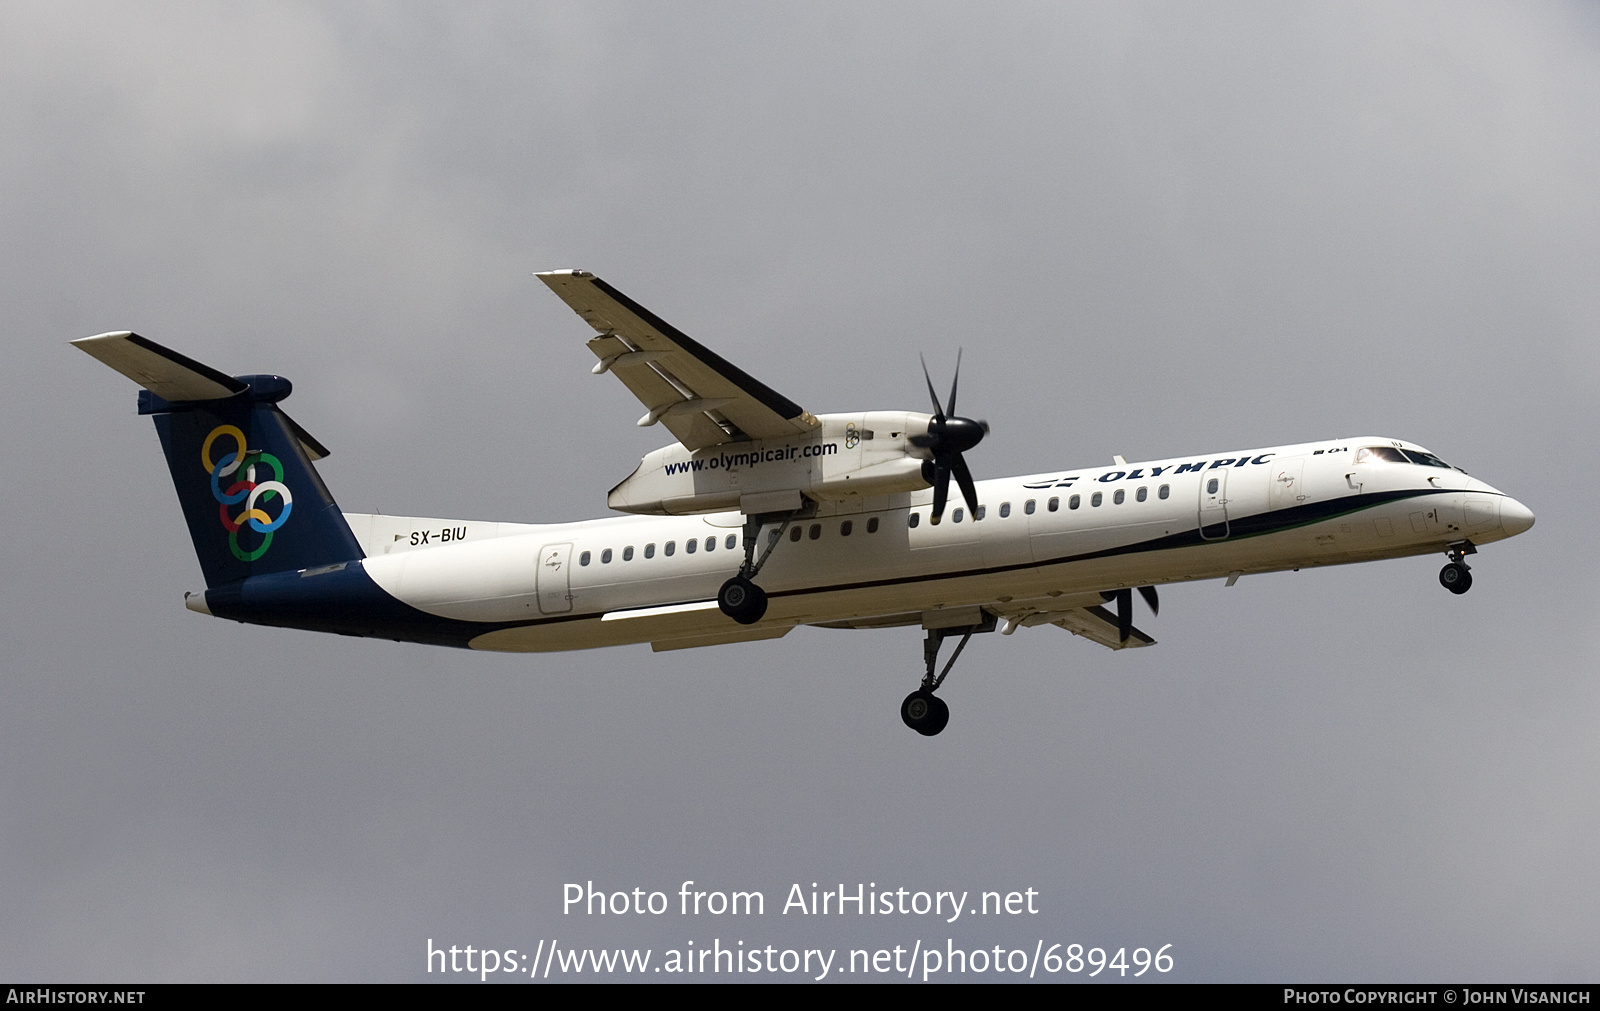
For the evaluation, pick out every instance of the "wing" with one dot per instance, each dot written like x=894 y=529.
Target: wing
x=1080 y=614
x=701 y=398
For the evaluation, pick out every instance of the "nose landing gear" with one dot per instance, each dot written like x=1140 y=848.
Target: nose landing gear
x=1457 y=576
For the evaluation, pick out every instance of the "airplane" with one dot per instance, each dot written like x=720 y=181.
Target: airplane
x=762 y=517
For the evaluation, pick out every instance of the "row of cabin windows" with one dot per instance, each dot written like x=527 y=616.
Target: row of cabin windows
x=732 y=541
x=847 y=527
x=1054 y=504
x=670 y=548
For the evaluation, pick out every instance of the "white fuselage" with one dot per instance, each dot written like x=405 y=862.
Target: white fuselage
x=1042 y=539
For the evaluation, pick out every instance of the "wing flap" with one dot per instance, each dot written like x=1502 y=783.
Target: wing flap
x=1098 y=625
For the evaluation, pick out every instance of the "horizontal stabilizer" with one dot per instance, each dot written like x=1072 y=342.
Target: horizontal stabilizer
x=178 y=379
x=160 y=370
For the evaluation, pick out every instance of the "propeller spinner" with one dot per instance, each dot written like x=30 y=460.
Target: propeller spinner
x=948 y=437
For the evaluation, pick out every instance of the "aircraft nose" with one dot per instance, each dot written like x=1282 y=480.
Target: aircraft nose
x=1514 y=516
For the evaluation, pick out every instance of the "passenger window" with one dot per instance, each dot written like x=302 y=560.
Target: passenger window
x=627 y=553
x=1054 y=503
x=1142 y=494
x=1211 y=486
x=914 y=520
x=1027 y=507
x=1096 y=499
x=670 y=548
x=980 y=513
x=872 y=525
x=816 y=530
x=1074 y=502
x=1165 y=491
x=731 y=542
x=957 y=515
x=688 y=546
x=583 y=559
x=1005 y=509
x=711 y=543
x=845 y=528
x=1117 y=498
x=650 y=550
x=795 y=533
x=605 y=557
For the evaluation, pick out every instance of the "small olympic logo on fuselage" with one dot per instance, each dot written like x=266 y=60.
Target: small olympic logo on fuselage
x=241 y=465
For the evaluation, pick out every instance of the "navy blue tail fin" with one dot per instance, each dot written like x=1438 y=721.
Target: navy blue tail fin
x=242 y=467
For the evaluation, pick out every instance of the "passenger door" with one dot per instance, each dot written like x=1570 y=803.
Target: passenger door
x=1214 y=504
x=553 y=579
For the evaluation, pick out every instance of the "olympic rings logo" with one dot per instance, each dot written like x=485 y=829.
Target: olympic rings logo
x=242 y=466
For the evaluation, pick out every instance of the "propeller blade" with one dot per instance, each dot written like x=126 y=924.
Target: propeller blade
x=1124 y=614
x=938 y=412
x=969 y=491
x=941 y=487
x=951 y=410
x=1150 y=597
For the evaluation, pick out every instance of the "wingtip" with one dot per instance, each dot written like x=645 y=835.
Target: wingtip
x=570 y=272
x=82 y=342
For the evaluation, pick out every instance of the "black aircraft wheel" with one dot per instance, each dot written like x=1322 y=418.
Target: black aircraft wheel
x=924 y=712
x=742 y=600
x=1455 y=578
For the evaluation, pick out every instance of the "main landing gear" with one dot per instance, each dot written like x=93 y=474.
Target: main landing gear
x=922 y=710
x=1457 y=576
x=740 y=598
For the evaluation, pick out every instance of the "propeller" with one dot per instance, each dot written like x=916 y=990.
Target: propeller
x=1125 y=608
x=948 y=437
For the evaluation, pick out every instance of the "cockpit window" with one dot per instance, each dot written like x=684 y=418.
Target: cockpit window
x=1390 y=454
x=1426 y=459
x=1372 y=454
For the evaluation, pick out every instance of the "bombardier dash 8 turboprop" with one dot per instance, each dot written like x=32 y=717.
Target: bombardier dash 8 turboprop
x=763 y=516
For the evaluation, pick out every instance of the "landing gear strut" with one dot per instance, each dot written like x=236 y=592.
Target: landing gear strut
x=1457 y=576
x=922 y=710
x=740 y=598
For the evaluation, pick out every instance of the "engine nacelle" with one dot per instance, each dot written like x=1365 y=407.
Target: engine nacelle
x=847 y=456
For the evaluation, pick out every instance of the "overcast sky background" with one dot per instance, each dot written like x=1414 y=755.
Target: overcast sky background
x=1156 y=229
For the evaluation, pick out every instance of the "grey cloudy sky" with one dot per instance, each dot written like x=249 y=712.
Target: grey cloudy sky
x=1155 y=229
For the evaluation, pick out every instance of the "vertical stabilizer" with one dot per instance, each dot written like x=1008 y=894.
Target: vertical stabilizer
x=242 y=468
